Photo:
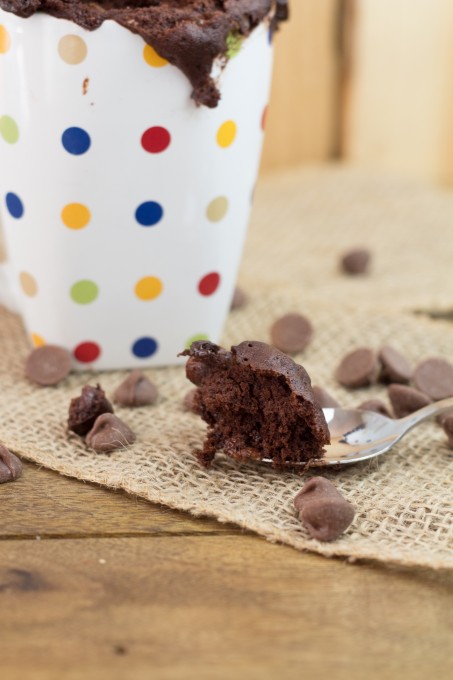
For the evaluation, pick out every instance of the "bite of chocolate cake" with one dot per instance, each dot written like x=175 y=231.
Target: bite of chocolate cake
x=258 y=404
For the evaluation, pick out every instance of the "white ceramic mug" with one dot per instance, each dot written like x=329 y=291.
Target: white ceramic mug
x=124 y=205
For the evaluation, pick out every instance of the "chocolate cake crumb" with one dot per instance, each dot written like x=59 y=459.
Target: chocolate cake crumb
x=84 y=410
x=258 y=404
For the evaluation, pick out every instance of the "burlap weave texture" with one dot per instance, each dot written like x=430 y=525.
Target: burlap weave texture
x=403 y=499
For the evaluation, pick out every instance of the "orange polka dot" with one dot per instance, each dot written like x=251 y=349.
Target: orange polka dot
x=226 y=134
x=152 y=58
x=28 y=284
x=148 y=288
x=37 y=340
x=5 y=40
x=75 y=216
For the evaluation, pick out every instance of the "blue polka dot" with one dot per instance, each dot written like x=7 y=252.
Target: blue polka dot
x=148 y=214
x=144 y=347
x=76 y=141
x=14 y=205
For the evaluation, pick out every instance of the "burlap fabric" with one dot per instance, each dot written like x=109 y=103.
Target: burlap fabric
x=403 y=499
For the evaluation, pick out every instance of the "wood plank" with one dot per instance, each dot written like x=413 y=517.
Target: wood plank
x=45 y=504
x=399 y=89
x=204 y=607
x=302 y=121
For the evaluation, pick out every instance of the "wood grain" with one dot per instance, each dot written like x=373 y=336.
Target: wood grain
x=302 y=121
x=398 y=106
x=45 y=504
x=214 y=606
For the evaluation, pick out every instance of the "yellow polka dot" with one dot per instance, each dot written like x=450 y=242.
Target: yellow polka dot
x=72 y=49
x=75 y=216
x=37 y=340
x=5 y=40
x=217 y=209
x=148 y=288
x=152 y=58
x=226 y=133
x=28 y=284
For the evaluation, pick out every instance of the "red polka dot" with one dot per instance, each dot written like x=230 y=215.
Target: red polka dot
x=156 y=139
x=87 y=352
x=264 y=118
x=209 y=283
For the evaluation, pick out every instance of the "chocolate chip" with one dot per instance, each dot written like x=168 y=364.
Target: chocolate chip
x=358 y=368
x=291 y=333
x=395 y=367
x=10 y=465
x=405 y=400
x=376 y=406
x=356 y=261
x=434 y=377
x=84 y=410
x=135 y=390
x=189 y=403
x=109 y=433
x=448 y=429
x=322 y=509
x=323 y=398
x=239 y=300
x=48 y=365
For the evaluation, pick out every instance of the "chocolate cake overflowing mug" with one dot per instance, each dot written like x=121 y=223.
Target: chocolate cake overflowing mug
x=130 y=137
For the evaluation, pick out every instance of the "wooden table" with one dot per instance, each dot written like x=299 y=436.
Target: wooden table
x=95 y=584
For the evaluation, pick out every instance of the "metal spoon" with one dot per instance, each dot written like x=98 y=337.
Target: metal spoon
x=360 y=435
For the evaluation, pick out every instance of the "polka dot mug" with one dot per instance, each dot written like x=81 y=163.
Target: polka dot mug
x=124 y=205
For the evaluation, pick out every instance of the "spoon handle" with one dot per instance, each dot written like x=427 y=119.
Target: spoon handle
x=426 y=412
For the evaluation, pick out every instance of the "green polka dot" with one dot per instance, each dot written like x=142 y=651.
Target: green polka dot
x=8 y=129
x=194 y=338
x=234 y=44
x=84 y=292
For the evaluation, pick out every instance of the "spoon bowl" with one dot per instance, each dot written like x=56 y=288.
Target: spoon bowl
x=360 y=435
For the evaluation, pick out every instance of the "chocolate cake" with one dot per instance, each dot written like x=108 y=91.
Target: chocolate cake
x=190 y=34
x=258 y=404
